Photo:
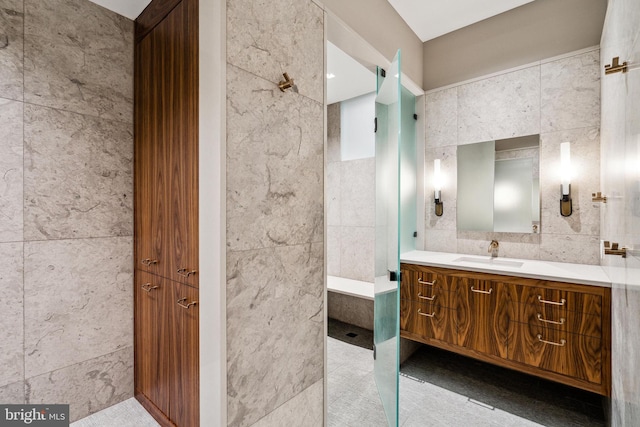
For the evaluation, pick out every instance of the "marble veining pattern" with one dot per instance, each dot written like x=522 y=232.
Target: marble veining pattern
x=11 y=325
x=83 y=65
x=290 y=414
x=334 y=193
x=11 y=172
x=11 y=48
x=270 y=38
x=74 y=290
x=571 y=92
x=275 y=152
x=503 y=106
x=78 y=175
x=88 y=386
x=274 y=327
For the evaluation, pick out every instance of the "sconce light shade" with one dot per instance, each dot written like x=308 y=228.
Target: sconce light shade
x=437 y=187
x=566 y=205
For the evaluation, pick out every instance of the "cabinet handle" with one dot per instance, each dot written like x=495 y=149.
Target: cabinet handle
x=427 y=298
x=426 y=314
x=561 y=322
x=422 y=282
x=148 y=288
x=562 y=301
x=149 y=261
x=479 y=291
x=186 y=306
x=185 y=272
x=560 y=344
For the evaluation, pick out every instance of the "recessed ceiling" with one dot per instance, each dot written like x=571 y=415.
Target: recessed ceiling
x=129 y=8
x=346 y=77
x=431 y=19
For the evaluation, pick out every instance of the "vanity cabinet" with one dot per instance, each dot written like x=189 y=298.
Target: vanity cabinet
x=559 y=331
x=166 y=212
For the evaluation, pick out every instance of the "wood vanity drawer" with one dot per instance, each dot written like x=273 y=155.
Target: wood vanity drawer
x=551 y=300
x=573 y=355
x=425 y=285
x=567 y=321
x=428 y=320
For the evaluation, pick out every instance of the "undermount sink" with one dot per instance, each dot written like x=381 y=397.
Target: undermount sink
x=490 y=261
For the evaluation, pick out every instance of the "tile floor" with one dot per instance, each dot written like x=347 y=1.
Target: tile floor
x=437 y=388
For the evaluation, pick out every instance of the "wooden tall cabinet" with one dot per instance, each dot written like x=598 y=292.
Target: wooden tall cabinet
x=166 y=212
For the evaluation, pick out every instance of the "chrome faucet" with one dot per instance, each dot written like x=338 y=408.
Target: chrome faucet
x=493 y=248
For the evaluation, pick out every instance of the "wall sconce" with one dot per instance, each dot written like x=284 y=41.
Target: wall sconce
x=566 y=205
x=437 y=186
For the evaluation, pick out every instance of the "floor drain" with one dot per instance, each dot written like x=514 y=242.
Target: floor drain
x=352 y=335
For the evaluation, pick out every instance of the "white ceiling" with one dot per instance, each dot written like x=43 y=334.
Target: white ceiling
x=351 y=78
x=129 y=8
x=431 y=19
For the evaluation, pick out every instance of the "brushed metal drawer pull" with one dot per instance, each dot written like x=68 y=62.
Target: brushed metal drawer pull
x=562 y=301
x=426 y=314
x=186 y=306
x=422 y=282
x=149 y=261
x=479 y=291
x=427 y=298
x=560 y=344
x=561 y=322
x=185 y=272
x=148 y=288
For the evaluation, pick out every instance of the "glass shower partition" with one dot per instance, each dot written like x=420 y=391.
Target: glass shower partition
x=395 y=224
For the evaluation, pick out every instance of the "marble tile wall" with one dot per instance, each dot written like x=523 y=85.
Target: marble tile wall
x=275 y=213
x=560 y=100
x=351 y=209
x=66 y=214
x=620 y=221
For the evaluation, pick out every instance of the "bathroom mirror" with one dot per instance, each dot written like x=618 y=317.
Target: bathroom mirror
x=499 y=185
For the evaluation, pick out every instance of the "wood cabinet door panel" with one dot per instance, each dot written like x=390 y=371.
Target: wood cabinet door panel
x=185 y=408
x=152 y=339
x=484 y=313
x=577 y=356
x=428 y=320
x=148 y=147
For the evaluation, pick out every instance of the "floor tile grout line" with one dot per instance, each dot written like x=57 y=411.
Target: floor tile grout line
x=24 y=350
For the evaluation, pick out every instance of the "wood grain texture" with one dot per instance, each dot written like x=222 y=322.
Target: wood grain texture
x=421 y=284
x=574 y=355
x=428 y=320
x=484 y=312
x=166 y=209
x=153 y=410
x=185 y=372
x=152 y=339
x=506 y=326
x=152 y=15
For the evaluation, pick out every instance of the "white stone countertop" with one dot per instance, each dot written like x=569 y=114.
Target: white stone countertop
x=545 y=270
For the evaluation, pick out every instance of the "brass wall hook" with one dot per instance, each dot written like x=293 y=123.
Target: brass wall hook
x=598 y=197
x=287 y=83
x=615 y=66
x=614 y=249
